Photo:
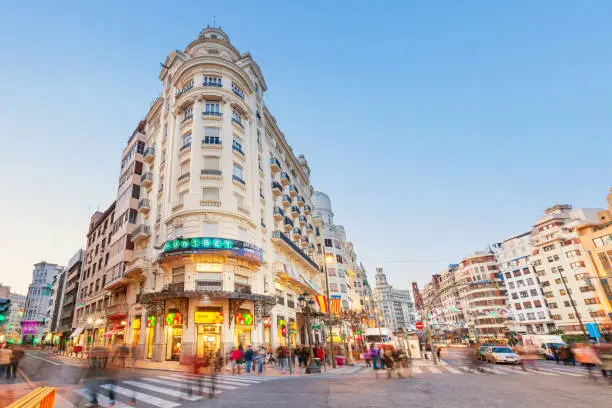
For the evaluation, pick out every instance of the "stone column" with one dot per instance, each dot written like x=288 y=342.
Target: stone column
x=140 y=351
x=188 y=344
x=258 y=324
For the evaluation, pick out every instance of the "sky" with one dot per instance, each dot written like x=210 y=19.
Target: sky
x=436 y=128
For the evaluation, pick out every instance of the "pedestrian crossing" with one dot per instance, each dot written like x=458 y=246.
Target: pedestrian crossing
x=490 y=369
x=169 y=391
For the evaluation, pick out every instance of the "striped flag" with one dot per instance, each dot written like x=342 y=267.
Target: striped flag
x=322 y=302
x=335 y=304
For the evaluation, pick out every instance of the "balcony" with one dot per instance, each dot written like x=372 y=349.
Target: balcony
x=287 y=224
x=302 y=221
x=277 y=189
x=307 y=209
x=304 y=242
x=301 y=201
x=141 y=232
x=185 y=150
x=308 y=227
x=274 y=165
x=135 y=268
x=237 y=92
x=210 y=203
x=214 y=82
x=183 y=177
x=244 y=210
x=210 y=174
x=293 y=191
x=297 y=233
x=238 y=180
x=208 y=285
x=286 y=201
x=279 y=214
x=212 y=115
x=295 y=211
x=242 y=288
x=146 y=179
x=149 y=154
x=237 y=150
x=284 y=179
x=144 y=206
x=280 y=238
x=263 y=224
x=117 y=310
x=238 y=123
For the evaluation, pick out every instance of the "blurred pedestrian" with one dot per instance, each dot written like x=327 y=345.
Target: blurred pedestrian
x=589 y=359
x=555 y=354
x=16 y=356
x=248 y=359
x=6 y=355
x=374 y=356
x=605 y=357
x=258 y=360
x=366 y=356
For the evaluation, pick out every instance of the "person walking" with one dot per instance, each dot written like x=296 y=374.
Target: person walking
x=258 y=360
x=366 y=357
x=555 y=354
x=248 y=359
x=589 y=359
x=374 y=356
x=381 y=354
x=16 y=355
x=5 y=362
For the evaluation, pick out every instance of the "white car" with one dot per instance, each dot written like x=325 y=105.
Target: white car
x=502 y=355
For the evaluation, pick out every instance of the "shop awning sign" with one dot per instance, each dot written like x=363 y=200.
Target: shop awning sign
x=238 y=249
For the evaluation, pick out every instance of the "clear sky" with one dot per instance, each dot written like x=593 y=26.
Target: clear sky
x=436 y=129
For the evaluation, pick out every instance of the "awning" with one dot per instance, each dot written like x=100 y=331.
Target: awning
x=113 y=332
x=76 y=332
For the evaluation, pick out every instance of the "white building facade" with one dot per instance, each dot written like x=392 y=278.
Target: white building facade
x=36 y=317
x=395 y=307
x=527 y=307
x=560 y=263
x=224 y=247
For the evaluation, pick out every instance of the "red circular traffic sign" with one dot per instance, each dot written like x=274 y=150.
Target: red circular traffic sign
x=419 y=325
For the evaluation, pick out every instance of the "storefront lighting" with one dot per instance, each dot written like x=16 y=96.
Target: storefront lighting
x=90 y=320
x=123 y=322
x=329 y=258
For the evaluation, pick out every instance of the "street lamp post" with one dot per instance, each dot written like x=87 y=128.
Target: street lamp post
x=329 y=315
x=307 y=305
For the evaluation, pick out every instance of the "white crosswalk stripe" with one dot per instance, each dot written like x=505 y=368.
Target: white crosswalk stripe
x=147 y=398
x=169 y=391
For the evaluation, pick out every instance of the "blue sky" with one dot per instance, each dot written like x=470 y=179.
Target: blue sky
x=435 y=128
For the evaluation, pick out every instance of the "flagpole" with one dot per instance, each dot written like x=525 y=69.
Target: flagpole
x=329 y=315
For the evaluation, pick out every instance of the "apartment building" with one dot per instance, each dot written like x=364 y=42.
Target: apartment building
x=89 y=317
x=527 y=306
x=395 y=306
x=562 y=266
x=223 y=238
x=71 y=288
x=37 y=317
x=483 y=295
x=596 y=240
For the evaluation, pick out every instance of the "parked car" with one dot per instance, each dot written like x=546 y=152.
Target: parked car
x=502 y=355
x=480 y=352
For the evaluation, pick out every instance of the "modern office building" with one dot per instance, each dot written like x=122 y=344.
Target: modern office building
x=527 y=307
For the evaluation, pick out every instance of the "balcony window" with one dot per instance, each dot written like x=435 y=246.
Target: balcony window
x=210 y=194
x=212 y=81
x=237 y=173
x=237 y=91
x=208 y=281
x=237 y=145
x=181 y=197
x=236 y=117
x=280 y=298
x=212 y=164
x=188 y=113
x=212 y=109
x=186 y=140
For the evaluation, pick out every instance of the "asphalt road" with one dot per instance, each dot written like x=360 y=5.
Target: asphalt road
x=428 y=387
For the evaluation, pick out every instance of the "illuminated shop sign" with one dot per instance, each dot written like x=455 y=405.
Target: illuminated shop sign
x=174 y=319
x=239 y=249
x=208 y=317
x=151 y=321
x=244 y=319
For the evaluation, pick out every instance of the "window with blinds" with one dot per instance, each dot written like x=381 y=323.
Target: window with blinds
x=212 y=163
x=178 y=275
x=210 y=194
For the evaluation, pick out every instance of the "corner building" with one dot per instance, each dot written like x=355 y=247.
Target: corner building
x=223 y=242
